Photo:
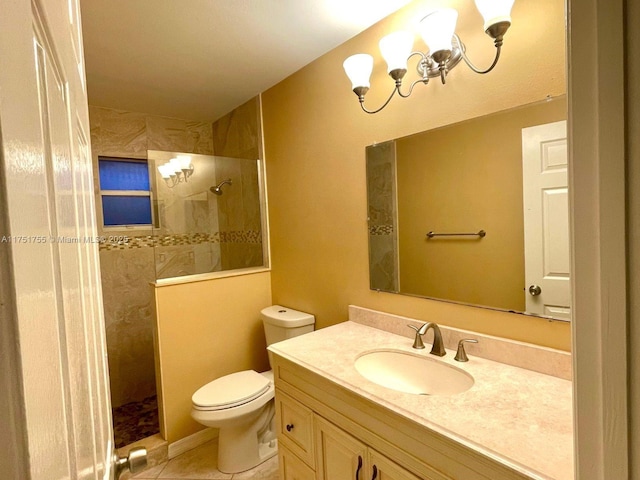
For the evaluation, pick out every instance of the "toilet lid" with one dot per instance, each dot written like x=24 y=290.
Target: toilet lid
x=231 y=390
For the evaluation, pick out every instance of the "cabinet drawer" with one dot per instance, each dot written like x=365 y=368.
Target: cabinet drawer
x=295 y=427
x=291 y=467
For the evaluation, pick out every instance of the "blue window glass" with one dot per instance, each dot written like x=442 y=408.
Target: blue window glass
x=126 y=210
x=123 y=175
x=117 y=176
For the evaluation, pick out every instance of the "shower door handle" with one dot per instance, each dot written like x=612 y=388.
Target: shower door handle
x=134 y=462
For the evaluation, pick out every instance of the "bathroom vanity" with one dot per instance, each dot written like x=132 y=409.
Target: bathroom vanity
x=333 y=424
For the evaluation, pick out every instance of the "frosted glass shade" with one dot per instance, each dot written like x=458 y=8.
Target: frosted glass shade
x=358 y=68
x=165 y=171
x=494 y=11
x=437 y=29
x=395 y=49
x=174 y=163
x=169 y=167
x=184 y=161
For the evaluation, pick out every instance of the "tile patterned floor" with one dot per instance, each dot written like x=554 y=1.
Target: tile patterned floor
x=201 y=464
x=135 y=421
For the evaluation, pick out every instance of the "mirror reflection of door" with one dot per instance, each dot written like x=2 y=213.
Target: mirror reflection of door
x=546 y=220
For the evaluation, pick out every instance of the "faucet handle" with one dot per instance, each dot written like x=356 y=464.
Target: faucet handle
x=418 y=343
x=461 y=355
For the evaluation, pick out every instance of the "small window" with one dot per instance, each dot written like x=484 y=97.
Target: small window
x=125 y=192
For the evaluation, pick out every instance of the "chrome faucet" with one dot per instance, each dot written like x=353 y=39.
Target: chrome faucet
x=461 y=354
x=438 y=347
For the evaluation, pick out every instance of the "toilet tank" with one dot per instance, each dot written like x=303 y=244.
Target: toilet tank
x=281 y=323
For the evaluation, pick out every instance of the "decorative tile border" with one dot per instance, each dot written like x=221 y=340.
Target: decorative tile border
x=242 y=236
x=179 y=239
x=148 y=241
x=381 y=230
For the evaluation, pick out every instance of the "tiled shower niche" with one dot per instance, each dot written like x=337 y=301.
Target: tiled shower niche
x=196 y=231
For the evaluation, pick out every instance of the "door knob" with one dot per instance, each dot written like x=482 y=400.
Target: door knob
x=535 y=290
x=135 y=461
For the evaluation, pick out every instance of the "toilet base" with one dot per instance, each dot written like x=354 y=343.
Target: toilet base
x=241 y=448
x=238 y=452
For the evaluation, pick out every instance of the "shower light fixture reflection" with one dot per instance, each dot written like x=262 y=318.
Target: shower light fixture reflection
x=176 y=170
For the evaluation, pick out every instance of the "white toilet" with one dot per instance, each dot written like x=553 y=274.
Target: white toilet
x=241 y=404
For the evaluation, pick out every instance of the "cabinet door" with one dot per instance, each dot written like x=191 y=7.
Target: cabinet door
x=382 y=468
x=339 y=456
x=291 y=467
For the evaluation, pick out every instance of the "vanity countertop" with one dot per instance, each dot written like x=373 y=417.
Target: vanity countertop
x=515 y=416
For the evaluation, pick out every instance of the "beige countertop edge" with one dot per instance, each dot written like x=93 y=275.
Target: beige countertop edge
x=330 y=352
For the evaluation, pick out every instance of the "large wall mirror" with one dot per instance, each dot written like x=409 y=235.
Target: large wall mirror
x=475 y=212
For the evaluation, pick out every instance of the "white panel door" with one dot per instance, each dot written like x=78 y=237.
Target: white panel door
x=546 y=220
x=49 y=219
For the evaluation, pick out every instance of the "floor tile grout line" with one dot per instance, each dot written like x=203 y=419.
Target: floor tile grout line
x=162 y=469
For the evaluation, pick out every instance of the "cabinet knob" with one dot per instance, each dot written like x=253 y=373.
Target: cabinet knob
x=289 y=427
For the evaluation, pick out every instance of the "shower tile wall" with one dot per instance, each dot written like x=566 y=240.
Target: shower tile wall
x=239 y=215
x=381 y=199
x=237 y=135
x=127 y=271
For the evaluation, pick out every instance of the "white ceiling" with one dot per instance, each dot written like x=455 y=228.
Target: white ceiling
x=199 y=59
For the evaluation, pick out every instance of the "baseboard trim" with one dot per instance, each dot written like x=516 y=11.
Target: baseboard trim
x=192 y=441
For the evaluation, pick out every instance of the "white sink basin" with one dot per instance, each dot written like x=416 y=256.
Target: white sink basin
x=411 y=373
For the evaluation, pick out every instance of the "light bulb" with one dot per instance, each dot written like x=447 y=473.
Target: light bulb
x=395 y=49
x=358 y=68
x=184 y=161
x=437 y=29
x=494 y=11
x=175 y=165
x=169 y=169
x=165 y=171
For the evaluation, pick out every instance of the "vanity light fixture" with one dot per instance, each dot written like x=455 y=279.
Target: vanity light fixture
x=176 y=170
x=437 y=29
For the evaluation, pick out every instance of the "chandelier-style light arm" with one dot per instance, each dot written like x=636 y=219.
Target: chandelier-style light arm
x=171 y=181
x=424 y=81
x=470 y=64
x=425 y=63
x=361 y=99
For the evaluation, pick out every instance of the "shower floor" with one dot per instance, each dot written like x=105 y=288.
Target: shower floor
x=135 y=421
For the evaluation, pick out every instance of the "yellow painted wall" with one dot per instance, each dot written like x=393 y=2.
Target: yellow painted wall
x=632 y=66
x=315 y=137
x=205 y=330
x=464 y=178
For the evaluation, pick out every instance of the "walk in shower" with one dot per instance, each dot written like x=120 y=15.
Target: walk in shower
x=208 y=219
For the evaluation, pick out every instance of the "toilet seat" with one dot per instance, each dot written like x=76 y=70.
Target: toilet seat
x=231 y=391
